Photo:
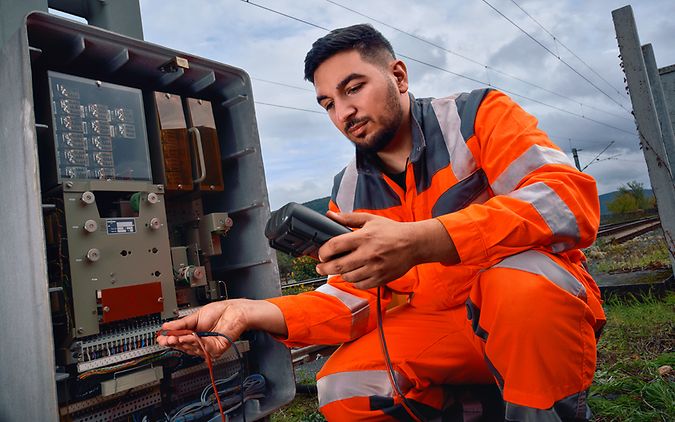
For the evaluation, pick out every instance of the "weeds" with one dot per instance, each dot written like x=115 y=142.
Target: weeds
x=645 y=252
x=638 y=339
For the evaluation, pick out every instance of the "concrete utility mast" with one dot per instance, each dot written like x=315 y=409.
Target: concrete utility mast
x=650 y=108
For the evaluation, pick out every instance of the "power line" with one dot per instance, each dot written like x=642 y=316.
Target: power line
x=555 y=55
x=515 y=94
x=283 y=14
x=476 y=62
x=282 y=84
x=290 y=107
x=461 y=75
x=599 y=154
x=555 y=39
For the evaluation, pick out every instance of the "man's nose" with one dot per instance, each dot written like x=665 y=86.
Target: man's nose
x=344 y=111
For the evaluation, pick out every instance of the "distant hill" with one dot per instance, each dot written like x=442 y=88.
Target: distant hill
x=609 y=197
x=319 y=205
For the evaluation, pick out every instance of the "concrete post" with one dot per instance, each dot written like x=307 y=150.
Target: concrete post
x=661 y=107
x=647 y=121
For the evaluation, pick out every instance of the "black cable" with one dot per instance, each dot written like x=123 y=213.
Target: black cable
x=241 y=366
x=390 y=369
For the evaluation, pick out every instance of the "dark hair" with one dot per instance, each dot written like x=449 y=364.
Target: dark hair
x=363 y=38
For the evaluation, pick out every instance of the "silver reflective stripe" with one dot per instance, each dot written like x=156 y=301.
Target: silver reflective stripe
x=347 y=190
x=461 y=159
x=358 y=307
x=558 y=216
x=535 y=157
x=344 y=385
x=537 y=263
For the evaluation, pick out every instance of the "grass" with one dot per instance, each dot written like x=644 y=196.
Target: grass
x=304 y=408
x=638 y=339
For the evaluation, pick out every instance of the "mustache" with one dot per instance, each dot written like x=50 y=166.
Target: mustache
x=353 y=122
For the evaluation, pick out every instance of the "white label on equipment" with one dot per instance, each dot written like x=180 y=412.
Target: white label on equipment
x=120 y=225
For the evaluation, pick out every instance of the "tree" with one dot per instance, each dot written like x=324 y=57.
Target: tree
x=303 y=268
x=624 y=203
x=631 y=198
x=285 y=263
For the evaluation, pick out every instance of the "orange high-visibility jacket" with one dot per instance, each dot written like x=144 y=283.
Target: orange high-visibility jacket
x=481 y=166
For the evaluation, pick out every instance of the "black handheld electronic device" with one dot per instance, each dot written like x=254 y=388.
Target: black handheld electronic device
x=298 y=230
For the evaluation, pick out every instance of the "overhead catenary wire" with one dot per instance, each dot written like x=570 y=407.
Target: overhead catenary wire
x=555 y=55
x=556 y=39
x=290 y=107
x=456 y=74
x=476 y=62
x=282 y=84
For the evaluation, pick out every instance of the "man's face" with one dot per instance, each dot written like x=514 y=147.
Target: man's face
x=362 y=99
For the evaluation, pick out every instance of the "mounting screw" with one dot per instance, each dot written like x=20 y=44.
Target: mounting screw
x=155 y=224
x=90 y=226
x=69 y=185
x=106 y=309
x=180 y=187
x=88 y=198
x=211 y=187
x=80 y=330
x=93 y=254
x=167 y=95
x=160 y=299
x=153 y=198
x=99 y=83
x=160 y=188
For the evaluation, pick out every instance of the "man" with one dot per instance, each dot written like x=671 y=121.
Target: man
x=462 y=204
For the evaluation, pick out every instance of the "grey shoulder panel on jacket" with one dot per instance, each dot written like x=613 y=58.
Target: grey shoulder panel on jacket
x=467 y=108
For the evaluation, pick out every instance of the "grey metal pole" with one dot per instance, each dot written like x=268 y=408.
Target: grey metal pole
x=647 y=121
x=575 y=154
x=121 y=16
x=661 y=106
x=12 y=14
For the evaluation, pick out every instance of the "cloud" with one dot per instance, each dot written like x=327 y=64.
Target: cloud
x=302 y=151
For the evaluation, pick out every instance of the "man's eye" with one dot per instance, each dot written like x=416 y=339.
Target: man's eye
x=328 y=106
x=354 y=89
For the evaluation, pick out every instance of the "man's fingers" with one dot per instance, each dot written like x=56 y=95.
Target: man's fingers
x=357 y=275
x=187 y=323
x=350 y=219
x=340 y=265
x=339 y=245
x=366 y=284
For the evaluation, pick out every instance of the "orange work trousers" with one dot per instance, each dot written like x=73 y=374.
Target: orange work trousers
x=526 y=326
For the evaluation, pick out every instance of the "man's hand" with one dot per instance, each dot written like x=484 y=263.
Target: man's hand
x=229 y=317
x=383 y=250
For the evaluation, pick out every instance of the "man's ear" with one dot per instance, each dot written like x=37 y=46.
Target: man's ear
x=400 y=73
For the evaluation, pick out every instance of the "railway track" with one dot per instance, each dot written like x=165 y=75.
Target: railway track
x=311 y=282
x=621 y=232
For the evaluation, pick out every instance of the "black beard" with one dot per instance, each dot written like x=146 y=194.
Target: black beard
x=381 y=139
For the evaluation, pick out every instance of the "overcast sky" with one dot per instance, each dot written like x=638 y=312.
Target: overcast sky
x=302 y=151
